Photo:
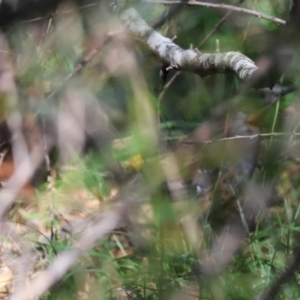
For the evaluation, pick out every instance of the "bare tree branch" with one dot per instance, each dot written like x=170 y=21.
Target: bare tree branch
x=188 y=60
x=222 y=6
x=252 y=136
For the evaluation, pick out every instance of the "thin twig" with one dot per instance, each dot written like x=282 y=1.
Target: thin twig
x=218 y=25
x=221 y=6
x=166 y=86
x=240 y=137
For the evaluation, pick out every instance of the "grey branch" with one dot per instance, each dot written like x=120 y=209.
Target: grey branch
x=222 y=6
x=190 y=60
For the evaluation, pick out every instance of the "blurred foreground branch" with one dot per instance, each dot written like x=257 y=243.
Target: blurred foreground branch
x=20 y=177
x=94 y=231
x=284 y=278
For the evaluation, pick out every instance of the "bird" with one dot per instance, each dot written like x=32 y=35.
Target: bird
x=220 y=156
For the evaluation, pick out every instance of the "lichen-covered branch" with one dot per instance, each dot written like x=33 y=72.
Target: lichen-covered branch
x=191 y=60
